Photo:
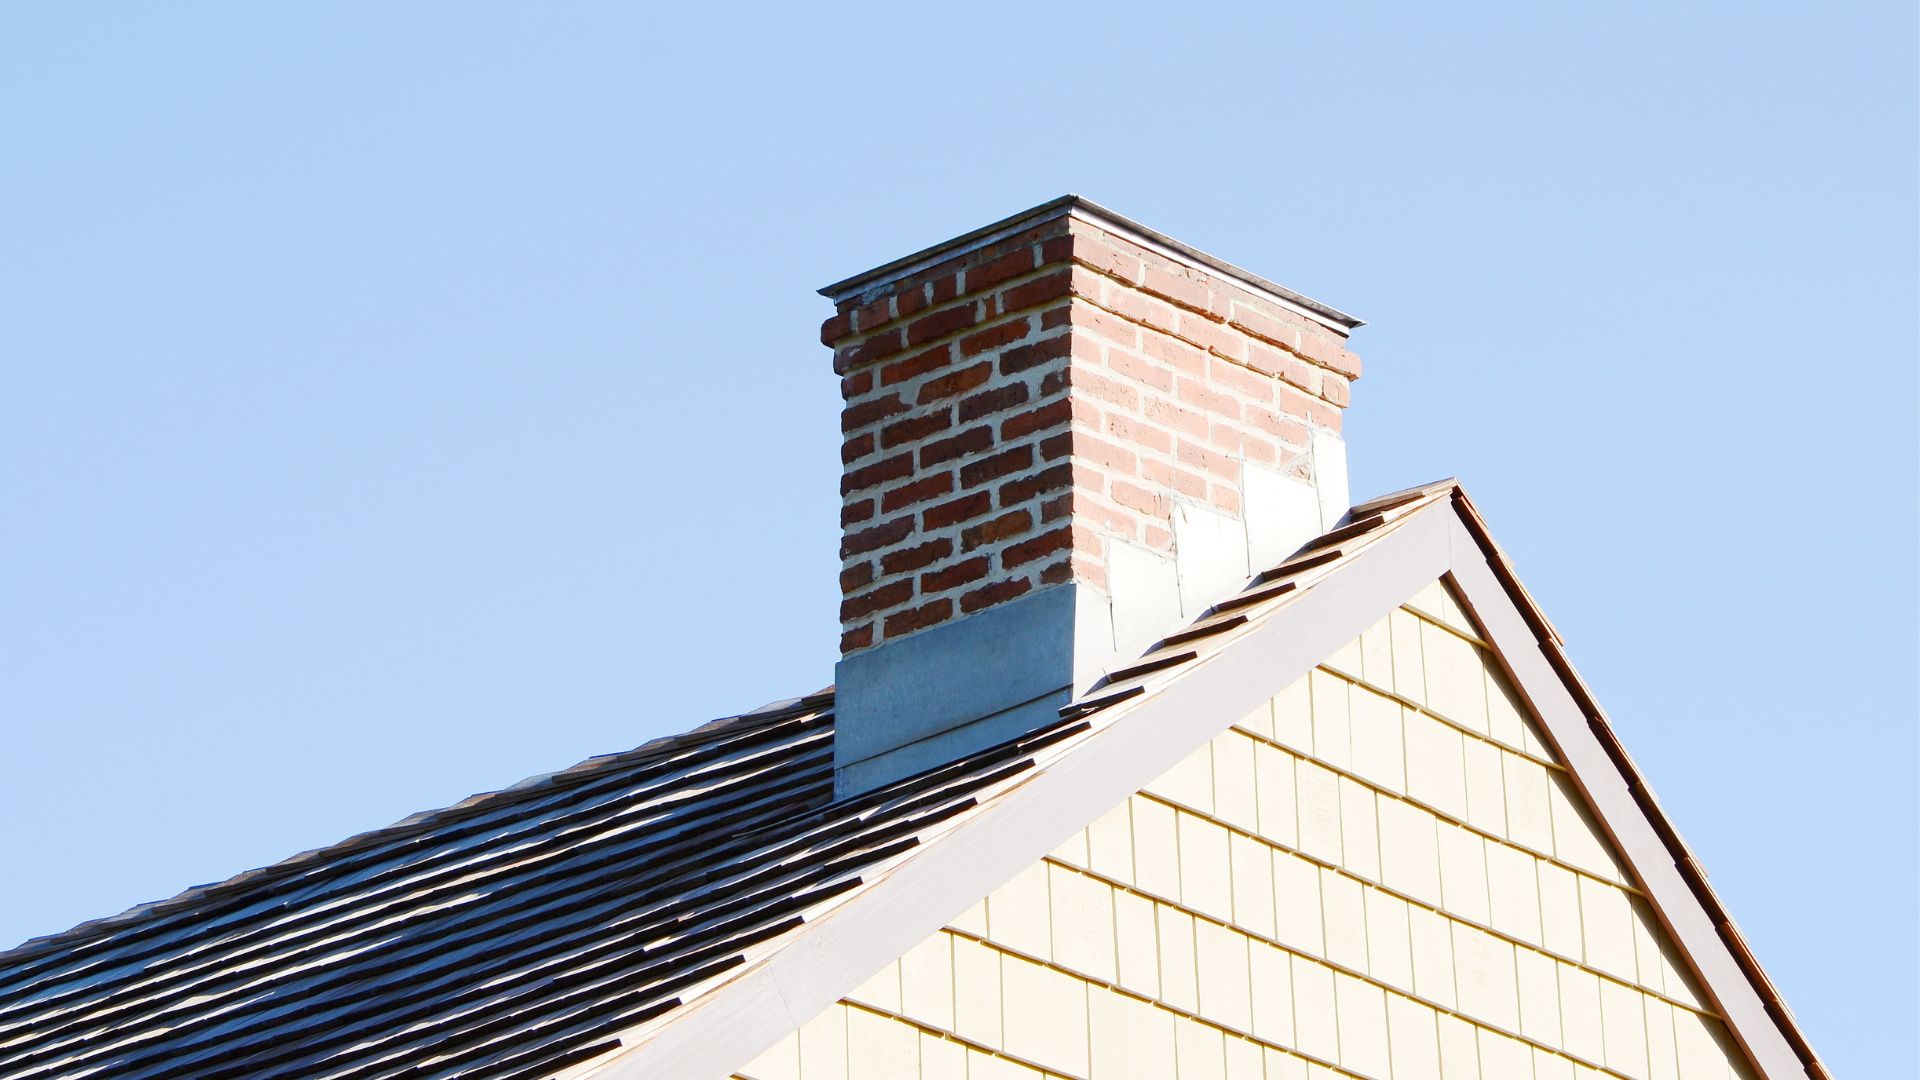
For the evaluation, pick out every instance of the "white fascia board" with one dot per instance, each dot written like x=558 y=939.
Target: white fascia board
x=1593 y=771
x=828 y=959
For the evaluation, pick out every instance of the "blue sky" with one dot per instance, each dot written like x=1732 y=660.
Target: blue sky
x=399 y=400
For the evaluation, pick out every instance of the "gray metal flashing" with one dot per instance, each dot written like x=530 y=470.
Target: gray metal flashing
x=870 y=282
x=918 y=702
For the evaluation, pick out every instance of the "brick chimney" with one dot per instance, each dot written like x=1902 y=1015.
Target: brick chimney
x=1065 y=435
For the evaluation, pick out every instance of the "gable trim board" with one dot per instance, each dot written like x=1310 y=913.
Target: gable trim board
x=1192 y=700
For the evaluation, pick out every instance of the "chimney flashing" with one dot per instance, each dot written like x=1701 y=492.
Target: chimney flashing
x=872 y=283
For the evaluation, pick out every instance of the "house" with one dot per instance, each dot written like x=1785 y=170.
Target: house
x=1150 y=754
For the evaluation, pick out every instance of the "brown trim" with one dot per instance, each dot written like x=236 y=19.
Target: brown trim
x=1671 y=876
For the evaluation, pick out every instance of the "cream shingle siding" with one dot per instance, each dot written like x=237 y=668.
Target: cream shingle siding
x=1384 y=873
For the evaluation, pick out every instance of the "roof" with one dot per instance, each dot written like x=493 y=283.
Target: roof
x=619 y=915
x=506 y=936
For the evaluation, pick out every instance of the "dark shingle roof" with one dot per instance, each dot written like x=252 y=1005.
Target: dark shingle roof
x=506 y=936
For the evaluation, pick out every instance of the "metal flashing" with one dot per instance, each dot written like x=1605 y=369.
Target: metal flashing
x=871 y=282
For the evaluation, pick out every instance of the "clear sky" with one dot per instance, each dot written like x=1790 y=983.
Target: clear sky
x=398 y=400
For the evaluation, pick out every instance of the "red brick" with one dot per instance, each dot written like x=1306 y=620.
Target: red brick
x=1098 y=323
x=1106 y=520
x=918 y=557
x=1197 y=392
x=909 y=300
x=1139 y=307
x=1055 y=447
x=1055 y=381
x=995 y=466
x=1087 y=479
x=854 y=513
x=874 y=410
x=929 y=614
x=1038 y=547
x=854 y=578
x=1294 y=403
x=943 y=288
x=1004 y=268
x=955 y=382
x=893 y=468
x=1334 y=390
x=1324 y=350
x=940 y=323
x=912 y=367
x=1036 y=292
x=1052 y=414
x=970 y=441
x=880 y=599
x=993 y=337
x=1055 y=318
x=1140 y=369
x=1176 y=353
x=955 y=511
x=852 y=386
x=1058 y=573
x=914 y=428
x=1104 y=388
x=992 y=401
x=1103 y=453
x=916 y=491
x=835 y=328
x=1168 y=415
x=998 y=592
x=1051 y=478
x=857 y=638
x=1172 y=476
x=1227 y=437
x=1157 y=538
x=1266 y=327
x=1106 y=258
x=1022 y=357
x=879 y=536
x=1211 y=460
x=1241 y=381
x=1213 y=337
x=1178 y=286
x=856 y=448
x=1291 y=431
x=875 y=313
x=1057 y=508
x=1135 y=497
x=1139 y=433
x=1006 y=525
x=1284 y=364
x=1226 y=497
x=952 y=577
